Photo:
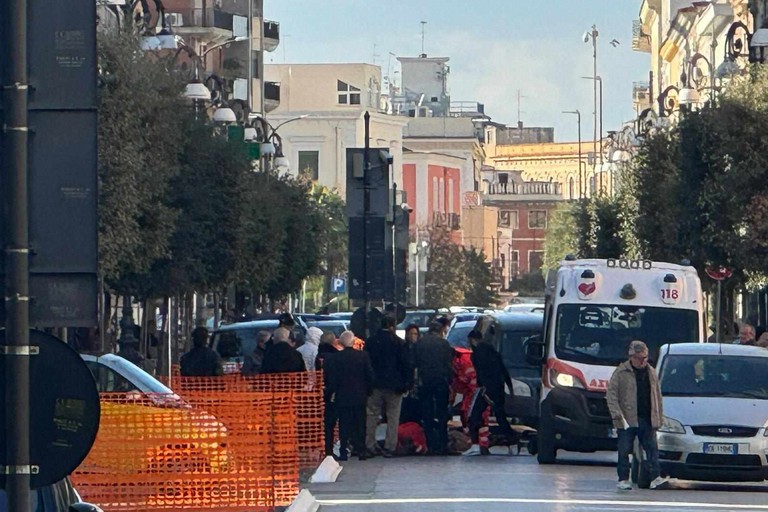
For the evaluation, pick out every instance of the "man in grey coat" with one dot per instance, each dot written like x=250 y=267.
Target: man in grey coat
x=634 y=400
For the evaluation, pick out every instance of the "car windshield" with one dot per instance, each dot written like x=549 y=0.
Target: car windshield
x=600 y=334
x=457 y=336
x=715 y=375
x=420 y=318
x=234 y=343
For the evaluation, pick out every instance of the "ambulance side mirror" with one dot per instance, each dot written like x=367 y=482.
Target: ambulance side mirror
x=534 y=350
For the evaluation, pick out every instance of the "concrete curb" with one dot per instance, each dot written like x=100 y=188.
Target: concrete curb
x=304 y=502
x=327 y=472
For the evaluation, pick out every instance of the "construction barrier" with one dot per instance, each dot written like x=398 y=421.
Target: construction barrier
x=225 y=443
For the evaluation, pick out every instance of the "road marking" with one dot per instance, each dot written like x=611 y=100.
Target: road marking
x=628 y=503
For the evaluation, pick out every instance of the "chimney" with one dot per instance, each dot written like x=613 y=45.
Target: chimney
x=519 y=125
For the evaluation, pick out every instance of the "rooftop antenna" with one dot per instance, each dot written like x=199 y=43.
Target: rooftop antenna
x=423 y=23
x=519 y=98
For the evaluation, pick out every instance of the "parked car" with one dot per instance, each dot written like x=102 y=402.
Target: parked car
x=136 y=410
x=58 y=497
x=525 y=308
x=335 y=326
x=508 y=333
x=715 y=399
x=343 y=315
x=457 y=334
x=234 y=341
x=420 y=317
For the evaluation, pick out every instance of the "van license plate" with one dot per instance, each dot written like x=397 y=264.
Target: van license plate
x=721 y=449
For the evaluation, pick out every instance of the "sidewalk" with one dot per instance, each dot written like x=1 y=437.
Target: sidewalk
x=356 y=480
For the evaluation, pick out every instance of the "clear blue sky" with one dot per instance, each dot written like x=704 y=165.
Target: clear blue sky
x=496 y=47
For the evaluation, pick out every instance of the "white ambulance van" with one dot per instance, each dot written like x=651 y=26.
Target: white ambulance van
x=594 y=309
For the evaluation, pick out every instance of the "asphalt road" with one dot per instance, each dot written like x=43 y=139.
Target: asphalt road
x=579 y=482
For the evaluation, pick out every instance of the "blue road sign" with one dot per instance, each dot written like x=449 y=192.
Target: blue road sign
x=339 y=285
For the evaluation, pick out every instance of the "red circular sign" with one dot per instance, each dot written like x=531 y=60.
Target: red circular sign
x=718 y=273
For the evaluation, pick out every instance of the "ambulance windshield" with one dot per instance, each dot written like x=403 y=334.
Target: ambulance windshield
x=600 y=334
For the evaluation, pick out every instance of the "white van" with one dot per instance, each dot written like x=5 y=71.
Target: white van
x=594 y=309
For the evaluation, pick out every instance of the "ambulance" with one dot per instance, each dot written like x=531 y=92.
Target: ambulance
x=594 y=308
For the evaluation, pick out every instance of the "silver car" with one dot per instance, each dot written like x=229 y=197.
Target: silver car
x=715 y=412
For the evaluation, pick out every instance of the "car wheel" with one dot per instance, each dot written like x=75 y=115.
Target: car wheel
x=545 y=443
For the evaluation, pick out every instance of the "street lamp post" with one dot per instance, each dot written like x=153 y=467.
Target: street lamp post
x=599 y=80
x=592 y=35
x=271 y=152
x=578 y=121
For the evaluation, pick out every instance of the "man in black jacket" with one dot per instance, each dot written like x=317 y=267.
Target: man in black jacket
x=201 y=361
x=393 y=377
x=349 y=377
x=282 y=357
x=433 y=358
x=492 y=375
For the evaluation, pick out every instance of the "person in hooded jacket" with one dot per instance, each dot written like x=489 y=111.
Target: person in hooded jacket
x=281 y=357
x=310 y=347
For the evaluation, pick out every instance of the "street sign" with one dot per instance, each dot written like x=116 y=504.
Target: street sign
x=718 y=273
x=339 y=285
x=64 y=409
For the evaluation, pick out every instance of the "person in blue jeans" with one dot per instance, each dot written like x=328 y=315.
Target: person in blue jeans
x=634 y=400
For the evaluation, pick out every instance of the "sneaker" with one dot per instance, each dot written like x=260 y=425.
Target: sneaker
x=387 y=454
x=473 y=450
x=659 y=482
x=625 y=485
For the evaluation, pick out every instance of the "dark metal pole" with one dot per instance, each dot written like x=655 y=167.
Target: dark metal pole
x=366 y=213
x=394 y=244
x=16 y=358
x=578 y=121
x=600 y=133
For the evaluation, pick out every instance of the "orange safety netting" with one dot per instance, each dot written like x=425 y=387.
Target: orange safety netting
x=227 y=443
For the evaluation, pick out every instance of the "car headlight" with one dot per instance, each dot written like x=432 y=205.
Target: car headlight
x=564 y=380
x=671 y=426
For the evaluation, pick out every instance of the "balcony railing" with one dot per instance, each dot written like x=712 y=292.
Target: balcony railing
x=448 y=220
x=182 y=19
x=271 y=35
x=271 y=96
x=640 y=41
x=542 y=188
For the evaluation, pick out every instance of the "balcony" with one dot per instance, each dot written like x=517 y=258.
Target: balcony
x=640 y=42
x=271 y=96
x=451 y=221
x=209 y=25
x=528 y=188
x=641 y=95
x=271 y=35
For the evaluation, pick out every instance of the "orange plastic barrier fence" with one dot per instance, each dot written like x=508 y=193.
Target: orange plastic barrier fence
x=225 y=443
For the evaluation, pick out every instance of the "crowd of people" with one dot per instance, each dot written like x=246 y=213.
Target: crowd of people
x=408 y=384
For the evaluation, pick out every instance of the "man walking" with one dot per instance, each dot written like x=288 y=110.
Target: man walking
x=433 y=357
x=393 y=377
x=634 y=400
x=349 y=377
x=201 y=361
